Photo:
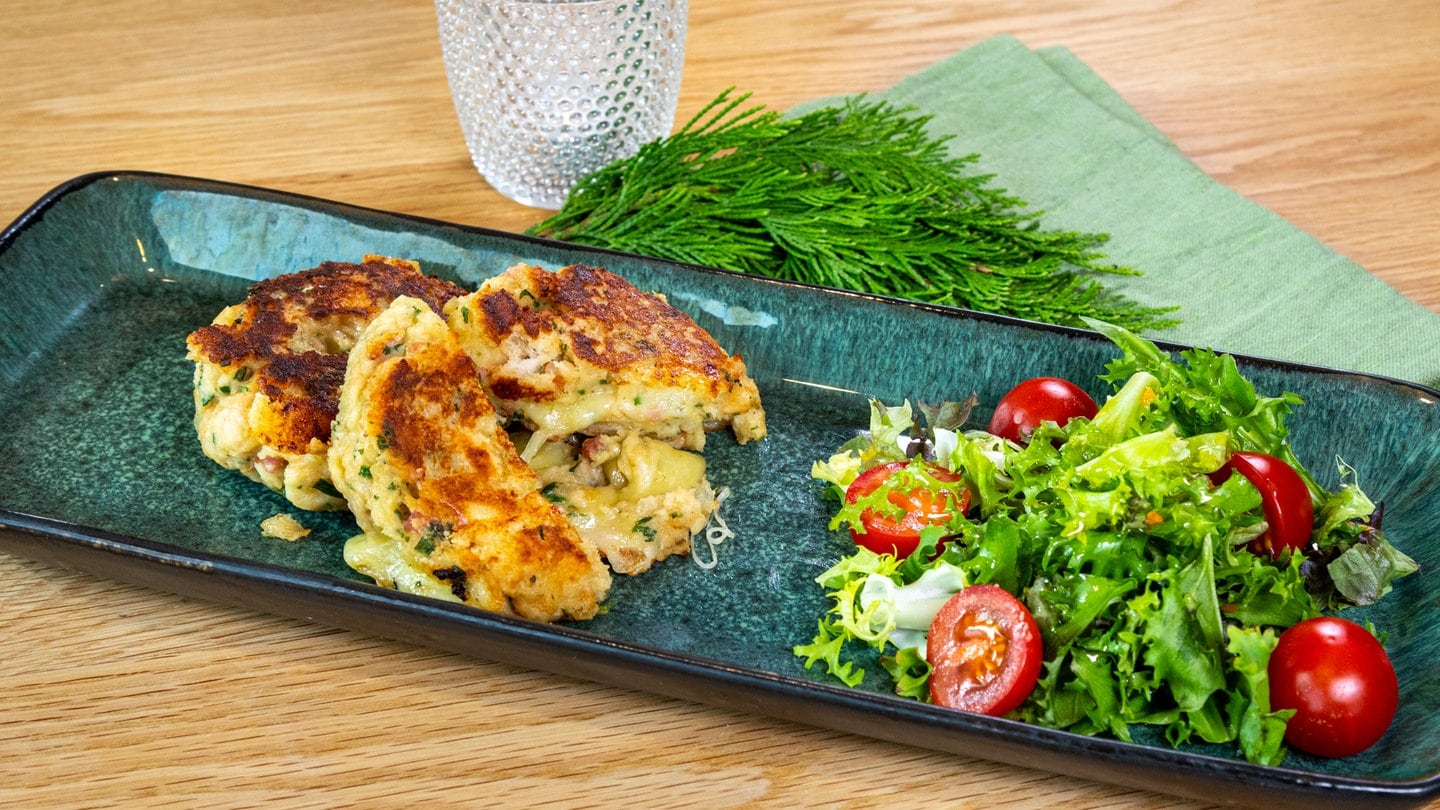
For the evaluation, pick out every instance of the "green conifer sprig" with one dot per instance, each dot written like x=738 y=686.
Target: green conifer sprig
x=858 y=196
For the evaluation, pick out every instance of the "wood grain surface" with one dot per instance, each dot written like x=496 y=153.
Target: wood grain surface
x=1326 y=111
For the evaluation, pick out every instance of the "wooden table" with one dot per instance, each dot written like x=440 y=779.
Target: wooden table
x=1324 y=110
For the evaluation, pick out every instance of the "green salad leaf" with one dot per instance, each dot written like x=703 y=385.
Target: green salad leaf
x=1134 y=563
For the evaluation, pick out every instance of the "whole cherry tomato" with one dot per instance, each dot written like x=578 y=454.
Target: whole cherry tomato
x=921 y=508
x=1284 y=498
x=1037 y=400
x=1341 y=684
x=985 y=652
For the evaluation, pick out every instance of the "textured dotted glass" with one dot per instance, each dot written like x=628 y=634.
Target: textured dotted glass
x=548 y=92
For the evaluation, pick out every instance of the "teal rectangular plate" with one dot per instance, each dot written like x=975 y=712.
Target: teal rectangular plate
x=100 y=470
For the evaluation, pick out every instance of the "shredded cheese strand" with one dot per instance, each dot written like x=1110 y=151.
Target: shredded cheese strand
x=717 y=531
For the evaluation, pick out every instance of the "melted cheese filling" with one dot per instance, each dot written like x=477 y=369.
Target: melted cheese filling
x=674 y=415
x=639 y=501
x=394 y=564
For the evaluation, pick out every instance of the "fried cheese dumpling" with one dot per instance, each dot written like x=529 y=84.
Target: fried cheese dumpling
x=268 y=369
x=581 y=350
x=447 y=506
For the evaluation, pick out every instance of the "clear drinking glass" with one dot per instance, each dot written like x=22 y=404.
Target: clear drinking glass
x=550 y=90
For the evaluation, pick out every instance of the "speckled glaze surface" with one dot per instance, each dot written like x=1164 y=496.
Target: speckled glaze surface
x=100 y=470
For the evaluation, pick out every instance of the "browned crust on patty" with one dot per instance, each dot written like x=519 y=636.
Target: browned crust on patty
x=293 y=333
x=609 y=324
x=416 y=422
x=478 y=482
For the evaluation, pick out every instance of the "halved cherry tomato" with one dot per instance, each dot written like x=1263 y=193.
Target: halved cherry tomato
x=884 y=534
x=1283 y=497
x=985 y=652
x=1037 y=400
x=1341 y=684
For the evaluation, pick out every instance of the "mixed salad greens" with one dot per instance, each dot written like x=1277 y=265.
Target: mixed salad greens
x=1146 y=565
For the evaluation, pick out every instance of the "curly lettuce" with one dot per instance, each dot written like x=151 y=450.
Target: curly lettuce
x=1133 y=561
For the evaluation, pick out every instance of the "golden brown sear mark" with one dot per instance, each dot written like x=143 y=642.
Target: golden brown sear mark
x=582 y=350
x=437 y=486
x=298 y=329
x=269 y=369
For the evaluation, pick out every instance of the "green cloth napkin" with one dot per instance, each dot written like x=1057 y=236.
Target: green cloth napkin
x=1053 y=133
